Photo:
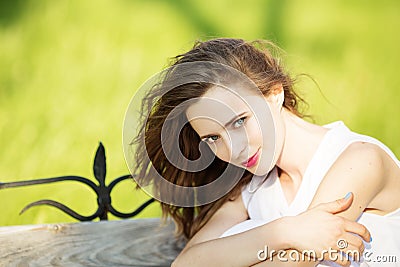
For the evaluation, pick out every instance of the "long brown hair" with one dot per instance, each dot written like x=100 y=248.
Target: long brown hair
x=250 y=58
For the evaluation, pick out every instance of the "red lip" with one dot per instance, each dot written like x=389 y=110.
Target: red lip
x=252 y=160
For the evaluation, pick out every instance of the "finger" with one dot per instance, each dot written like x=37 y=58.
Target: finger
x=338 y=205
x=354 y=243
x=353 y=254
x=359 y=229
x=353 y=247
x=340 y=258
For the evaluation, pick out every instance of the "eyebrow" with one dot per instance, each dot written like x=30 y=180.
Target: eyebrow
x=226 y=124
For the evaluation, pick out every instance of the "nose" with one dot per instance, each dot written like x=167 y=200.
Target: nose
x=237 y=144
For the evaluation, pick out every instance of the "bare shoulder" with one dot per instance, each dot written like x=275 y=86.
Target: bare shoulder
x=365 y=150
x=363 y=160
x=229 y=214
x=375 y=157
x=371 y=161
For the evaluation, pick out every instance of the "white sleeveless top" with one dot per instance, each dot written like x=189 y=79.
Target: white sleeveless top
x=268 y=202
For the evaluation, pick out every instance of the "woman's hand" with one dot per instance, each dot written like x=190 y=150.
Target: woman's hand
x=319 y=230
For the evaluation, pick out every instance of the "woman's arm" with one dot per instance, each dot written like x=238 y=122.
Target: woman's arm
x=361 y=170
x=370 y=173
x=206 y=249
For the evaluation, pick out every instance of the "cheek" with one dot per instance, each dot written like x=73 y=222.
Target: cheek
x=220 y=151
x=266 y=138
x=253 y=131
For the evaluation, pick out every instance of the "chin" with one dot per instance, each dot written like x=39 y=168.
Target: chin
x=262 y=171
x=259 y=173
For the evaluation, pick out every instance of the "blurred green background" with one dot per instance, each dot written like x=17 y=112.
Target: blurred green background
x=68 y=70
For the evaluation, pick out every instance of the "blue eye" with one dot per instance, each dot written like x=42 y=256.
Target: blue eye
x=211 y=139
x=239 y=122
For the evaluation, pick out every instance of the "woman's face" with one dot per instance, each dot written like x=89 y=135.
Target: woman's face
x=240 y=127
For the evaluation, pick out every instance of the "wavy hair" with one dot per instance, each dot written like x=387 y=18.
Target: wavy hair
x=254 y=60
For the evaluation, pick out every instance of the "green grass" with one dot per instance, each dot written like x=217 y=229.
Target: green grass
x=69 y=68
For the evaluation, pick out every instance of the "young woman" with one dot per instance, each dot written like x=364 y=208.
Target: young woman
x=280 y=167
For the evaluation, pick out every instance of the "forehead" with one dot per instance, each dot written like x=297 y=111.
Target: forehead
x=218 y=106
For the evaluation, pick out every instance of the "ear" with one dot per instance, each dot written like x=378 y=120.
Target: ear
x=278 y=94
x=276 y=88
x=280 y=99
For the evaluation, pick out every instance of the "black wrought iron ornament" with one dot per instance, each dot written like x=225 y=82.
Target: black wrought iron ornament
x=102 y=191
